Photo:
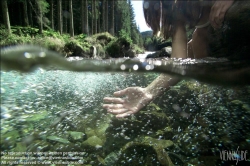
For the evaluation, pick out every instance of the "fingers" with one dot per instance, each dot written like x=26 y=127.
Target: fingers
x=117 y=111
x=218 y=12
x=112 y=106
x=215 y=18
x=113 y=100
x=124 y=114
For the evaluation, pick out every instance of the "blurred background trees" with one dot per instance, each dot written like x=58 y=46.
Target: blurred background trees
x=72 y=17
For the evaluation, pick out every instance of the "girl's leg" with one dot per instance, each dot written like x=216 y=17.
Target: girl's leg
x=190 y=53
x=199 y=44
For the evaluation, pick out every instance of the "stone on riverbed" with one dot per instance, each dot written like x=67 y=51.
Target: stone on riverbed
x=76 y=136
x=57 y=139
x=93 y=141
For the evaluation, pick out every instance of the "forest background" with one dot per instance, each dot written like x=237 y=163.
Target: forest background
x=73 y=27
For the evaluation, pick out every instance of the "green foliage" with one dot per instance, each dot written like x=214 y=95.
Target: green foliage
x=148 y=41
x=138 y=49
x=17 y=37
x=113 y=48
x=117 y=46
x=24 y=31
x=14 y=39
x=80 y=37
x=43 y=5
x=123 y=13
x=51 y=43
x=52 y=33
x=124 y=38
x=152 y=43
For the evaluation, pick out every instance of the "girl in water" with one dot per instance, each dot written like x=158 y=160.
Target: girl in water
x=170 y=18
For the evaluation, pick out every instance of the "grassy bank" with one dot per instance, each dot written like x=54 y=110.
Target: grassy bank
x=80 y=45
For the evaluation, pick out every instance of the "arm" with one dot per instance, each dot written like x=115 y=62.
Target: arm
x=136 y=97
x=218 y=12
x=179 y=47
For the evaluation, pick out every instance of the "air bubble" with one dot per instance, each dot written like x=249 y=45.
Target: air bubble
x=42 y=54
x=135 y=67
x=123 y=67
x=27 y=55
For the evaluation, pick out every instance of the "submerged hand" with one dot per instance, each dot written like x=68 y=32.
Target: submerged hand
x=135 y=99
x=218 y=12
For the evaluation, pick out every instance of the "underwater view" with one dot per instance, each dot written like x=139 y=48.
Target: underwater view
x=55 y=116
x=125 y=83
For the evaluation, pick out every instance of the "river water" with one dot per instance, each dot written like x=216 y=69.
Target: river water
x=51 y=111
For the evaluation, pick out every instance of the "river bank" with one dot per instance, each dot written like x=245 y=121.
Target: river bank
x=98 y=46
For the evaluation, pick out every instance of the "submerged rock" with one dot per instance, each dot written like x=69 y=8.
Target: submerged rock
x=112 y=158
x=76 y=136
x=8 y=140
x=93 y=141
x=34 y=117
x=57 y=139
x=158 y=146
x=39 y=146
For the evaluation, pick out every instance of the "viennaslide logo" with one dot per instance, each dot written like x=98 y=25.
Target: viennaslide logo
x=237 y=155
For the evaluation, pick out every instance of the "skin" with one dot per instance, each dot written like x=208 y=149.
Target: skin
x=133 y=99
x=136 y=97
x=218 y=12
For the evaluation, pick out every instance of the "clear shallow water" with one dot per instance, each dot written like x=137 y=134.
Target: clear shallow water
x=51 y=116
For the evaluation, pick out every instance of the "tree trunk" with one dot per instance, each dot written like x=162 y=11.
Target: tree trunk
x=59 y=15
x=20 y=15
x=92 y=18
x=26 y=19
x=112 y=17
x=6 y=15
x=95 y=18
x=99 y=19
x=40 y=16
x=85 y=22
x=107 y=16
x=65 y=17
x=52 y=14
x=82 y=15
x=103 y=15
x=30 y=15
x=71 y=19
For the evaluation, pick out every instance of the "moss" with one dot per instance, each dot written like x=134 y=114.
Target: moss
x=93 y=141
x=113 y=48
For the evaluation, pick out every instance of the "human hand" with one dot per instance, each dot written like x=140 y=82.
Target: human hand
x=218 y=12
x=135 y=99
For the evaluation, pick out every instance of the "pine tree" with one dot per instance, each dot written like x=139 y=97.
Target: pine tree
x=94 y=17
x=84 y=16
x=52 y=14
x=112 y=29
x=123 y=17
x=103 y=15
x=71 y=19
x=59 y=16
x=133 y=27
x=6 y=15
x=25 y=10
x=107 y=16
x=40 y=16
